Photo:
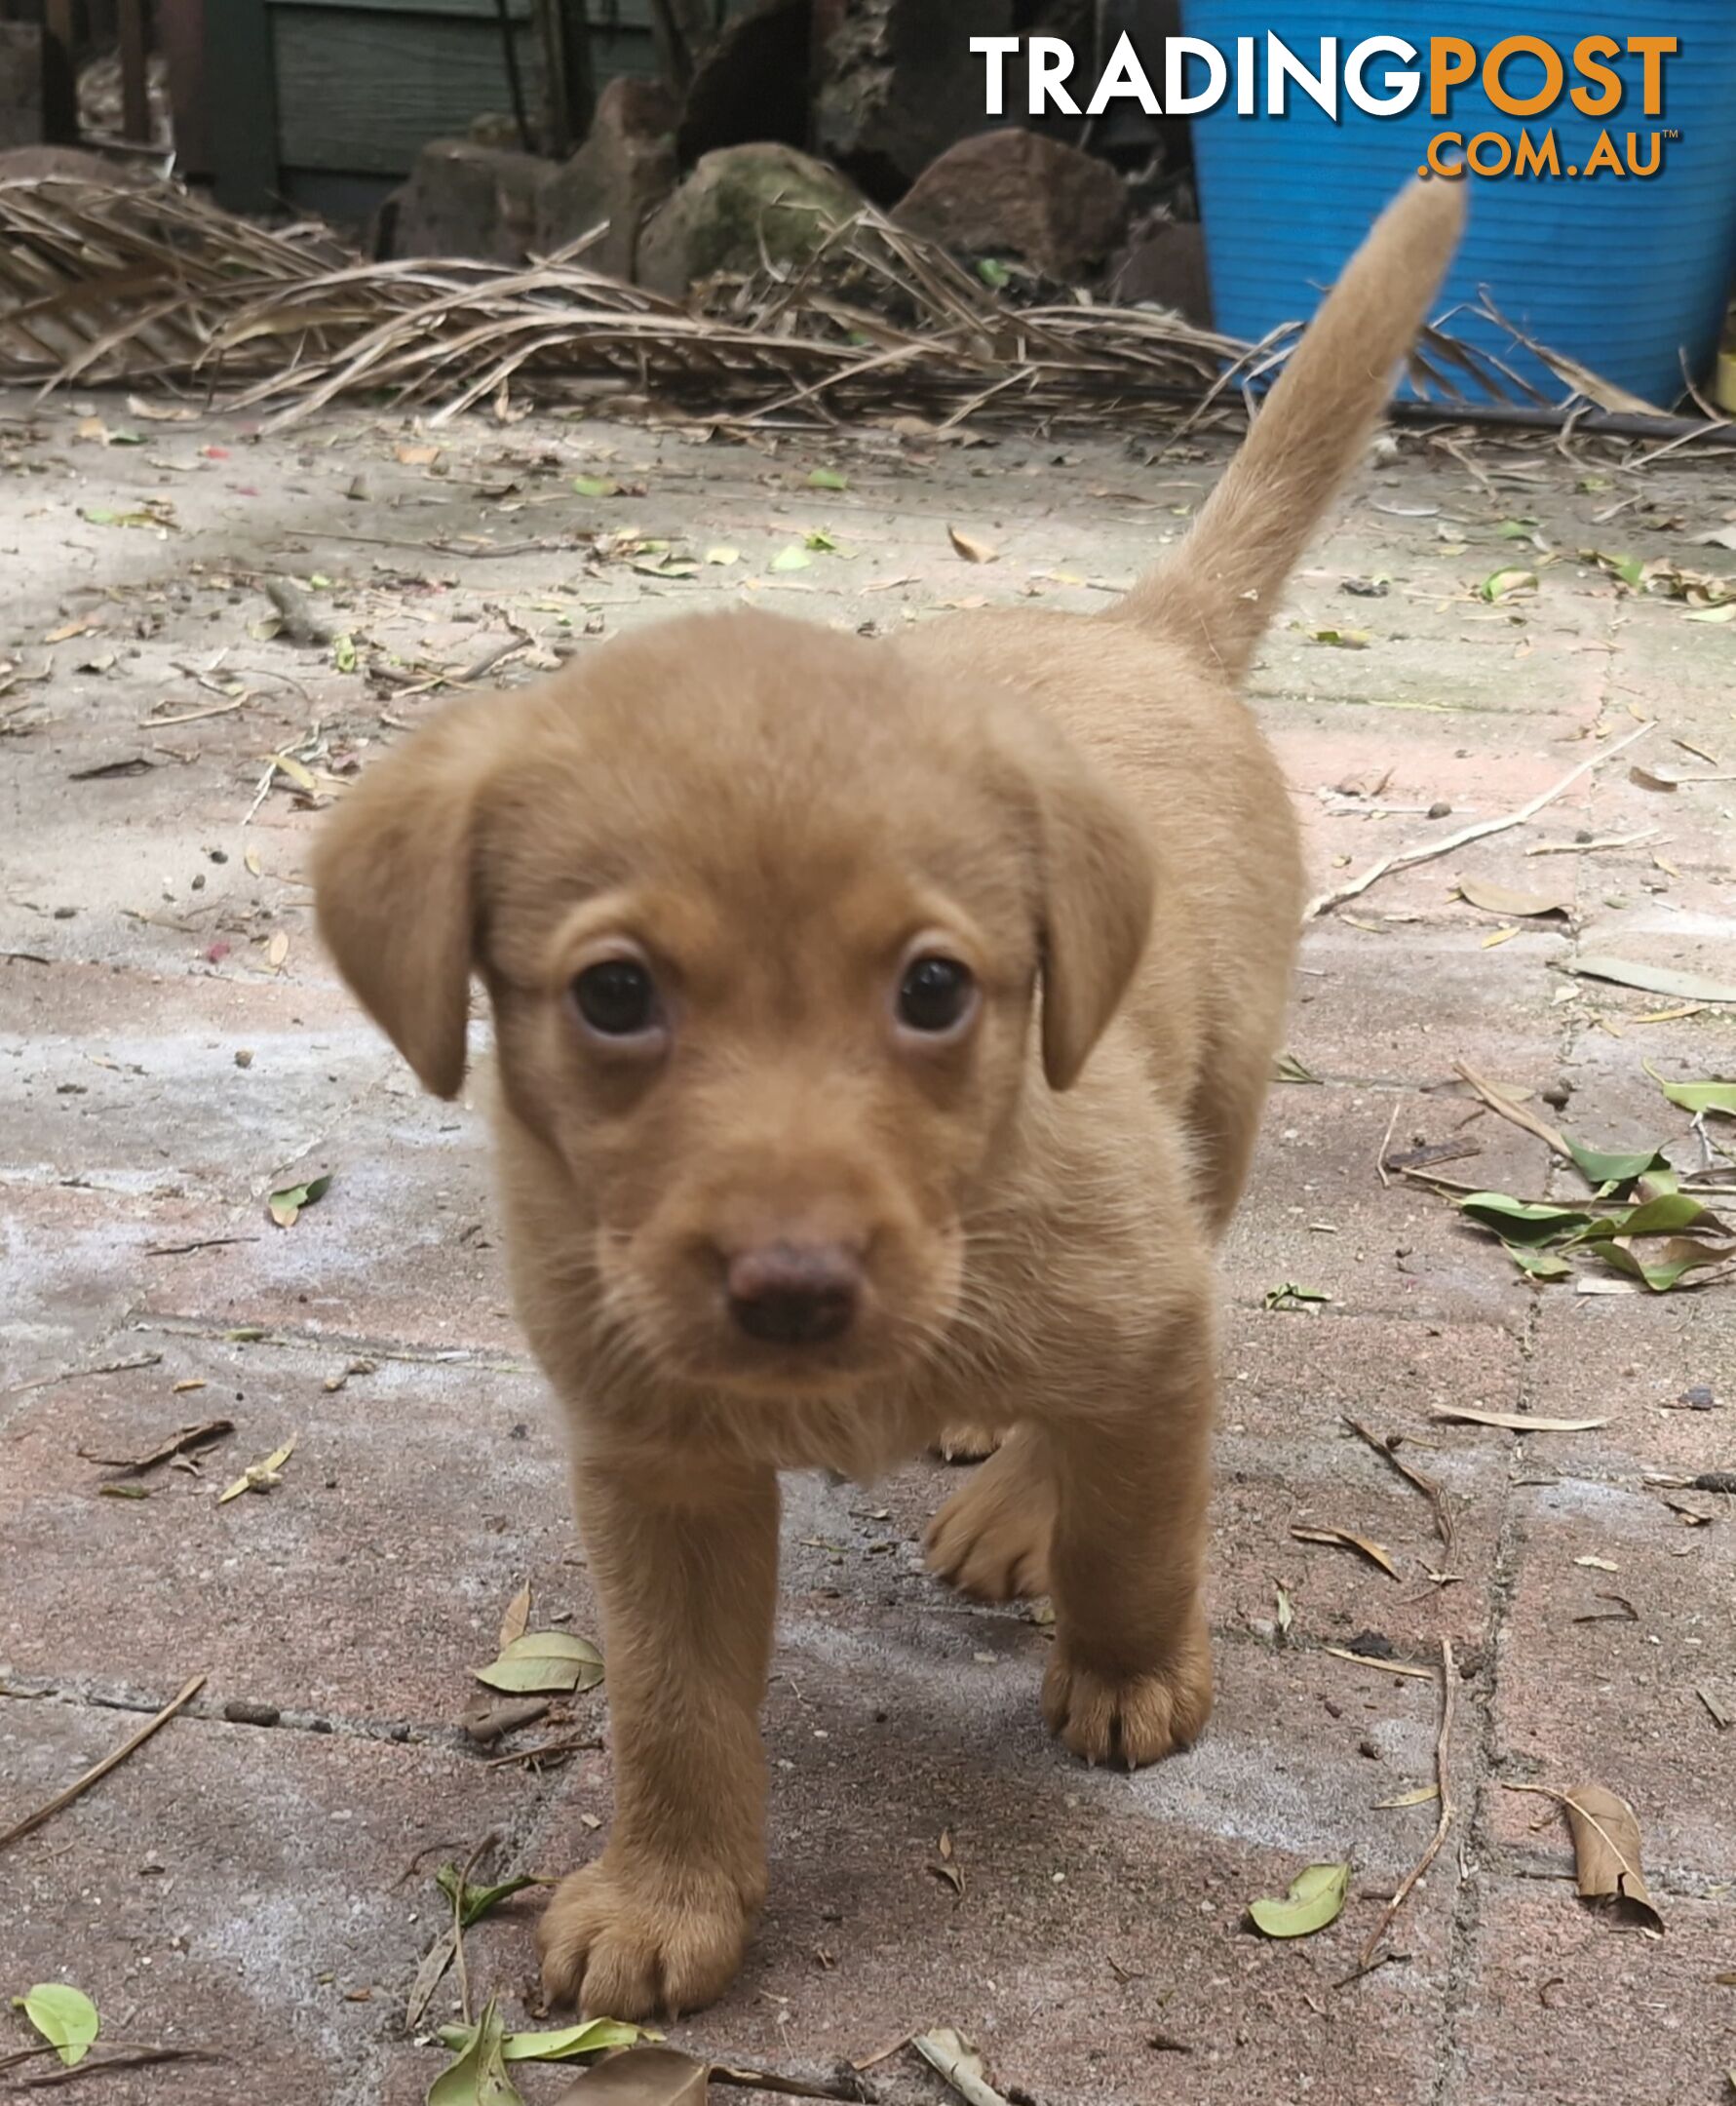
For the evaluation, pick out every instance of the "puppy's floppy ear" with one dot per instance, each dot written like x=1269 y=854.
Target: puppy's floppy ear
x=1098 y=882
x=394 y=883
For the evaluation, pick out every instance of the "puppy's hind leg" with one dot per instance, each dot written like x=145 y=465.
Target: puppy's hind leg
x=991 y=1538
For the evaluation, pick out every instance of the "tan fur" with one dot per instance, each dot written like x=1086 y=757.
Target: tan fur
x=776 y=818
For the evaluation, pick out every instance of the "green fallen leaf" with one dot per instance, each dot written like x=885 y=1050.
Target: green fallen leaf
x=1665 y=1268
x=1289 y=1296
x=477 y=1900
x=344 y=653
x=1668 y=1214
x=995 y=276
x=1610 y=1171
x=1316 y=1898
x=543 y=1662
x=791 y=559
x=828 y=479
x=478 y=2077
x=1538 y=1263
x=1629 y=569
x=596 y=487
x=1518 y=1221
x=286 y=1207
x=1503 y=585
x=596 y=2036
x=64 y=2016
x=822 y=542
x=1698 y=1097
x=1341 y=639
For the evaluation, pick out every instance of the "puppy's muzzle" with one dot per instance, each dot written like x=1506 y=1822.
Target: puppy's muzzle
x=794 y=1294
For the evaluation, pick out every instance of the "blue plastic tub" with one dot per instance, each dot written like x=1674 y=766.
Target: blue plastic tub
x=1627 y=275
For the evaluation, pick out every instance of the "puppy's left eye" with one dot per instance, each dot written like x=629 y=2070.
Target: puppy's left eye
x=935 y=995
x=617 y=998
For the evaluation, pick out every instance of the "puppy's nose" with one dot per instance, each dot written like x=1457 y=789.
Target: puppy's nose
x=794 y=1294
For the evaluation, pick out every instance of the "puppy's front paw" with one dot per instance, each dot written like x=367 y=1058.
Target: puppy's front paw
x=624 y=1942
x=1132 y=1719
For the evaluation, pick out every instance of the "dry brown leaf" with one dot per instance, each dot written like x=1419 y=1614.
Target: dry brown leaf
x=189 y=1436
x=1606 y=1846
x=1343 y=1540
x=1423 y=1795
x=277 y=951
x=947 y=2052
x=417 y=457
x=641 y=2077
x=971 y=549
x=1407 y=1668
x=517 y=1620
x=1512 y=1421
x=1503 y=900
x=301 y=777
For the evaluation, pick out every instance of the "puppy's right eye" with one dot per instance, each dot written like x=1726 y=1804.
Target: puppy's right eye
x=617 y=998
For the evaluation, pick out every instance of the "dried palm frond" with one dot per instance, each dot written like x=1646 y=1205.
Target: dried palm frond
x=136 y=283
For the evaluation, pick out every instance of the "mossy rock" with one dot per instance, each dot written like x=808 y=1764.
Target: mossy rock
x=741 y=206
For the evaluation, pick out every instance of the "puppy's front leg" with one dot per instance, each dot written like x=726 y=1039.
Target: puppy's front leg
x=687 y=1578
x=1129 y=1678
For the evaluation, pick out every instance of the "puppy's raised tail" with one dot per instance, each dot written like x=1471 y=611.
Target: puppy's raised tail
x=1221 y=588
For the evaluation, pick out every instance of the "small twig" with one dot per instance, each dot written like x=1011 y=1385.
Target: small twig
x=195 y=716
x=1425 y=851
x=758 y=2079
x=210 y=1242
x=1386 y=1142
x=1591 y=848
x=101 y=1770
x=544 y=1749
x=1442 y=1782
x=133 y=2058
x=1498 y=1100
x=1427 y=1486
x=77 y=1374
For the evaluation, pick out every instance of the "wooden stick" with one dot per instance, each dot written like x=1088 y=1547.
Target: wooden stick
x=1427 y=1486
x=101 y=1770
x=1498 y=1100
x=1443 y=1784
x=1425 y=851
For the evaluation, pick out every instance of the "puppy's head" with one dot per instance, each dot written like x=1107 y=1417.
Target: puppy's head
x=762 y=922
